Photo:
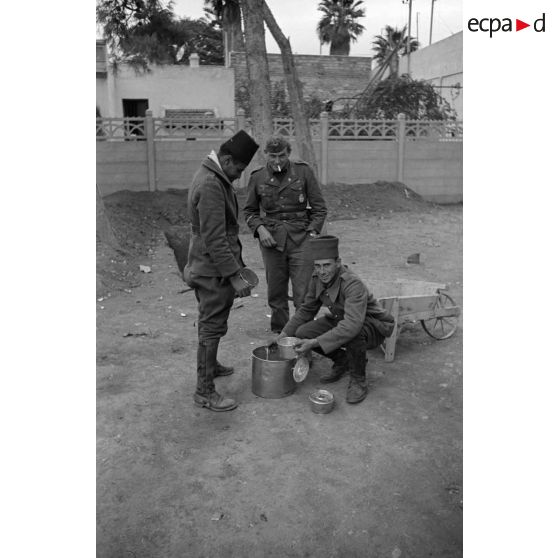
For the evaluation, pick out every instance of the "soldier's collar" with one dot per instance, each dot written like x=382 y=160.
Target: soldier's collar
x=332 y=289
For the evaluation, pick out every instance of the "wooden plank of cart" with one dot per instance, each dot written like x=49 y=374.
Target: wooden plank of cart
x=416 y=301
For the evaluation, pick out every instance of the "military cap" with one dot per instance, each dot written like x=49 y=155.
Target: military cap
x=241 y=146
x=276 y=144
x=324 y=247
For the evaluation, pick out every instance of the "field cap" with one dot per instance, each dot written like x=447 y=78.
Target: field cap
x=324 y=247
x=241 y=146
x=276 y=144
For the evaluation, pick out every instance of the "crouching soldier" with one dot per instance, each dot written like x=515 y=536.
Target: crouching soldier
x=356 y=321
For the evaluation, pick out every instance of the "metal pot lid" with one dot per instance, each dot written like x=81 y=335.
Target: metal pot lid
x=321 y=396
x=300 y=370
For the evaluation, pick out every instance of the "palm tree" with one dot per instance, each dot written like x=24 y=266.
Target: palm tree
x=394 y=39
x=338 y=26
x=228 y=14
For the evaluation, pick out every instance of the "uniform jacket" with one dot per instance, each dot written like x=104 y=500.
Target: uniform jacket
x=350 y=305
x=286 y=203
x=215 y=250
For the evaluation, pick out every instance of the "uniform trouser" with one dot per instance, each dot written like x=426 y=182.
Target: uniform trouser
x=291 y=264
x=368 y=338
x=215 y=297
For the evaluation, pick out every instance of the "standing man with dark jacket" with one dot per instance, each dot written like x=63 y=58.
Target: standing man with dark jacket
x=215 y=258
x=284 y=208
x=355 y=322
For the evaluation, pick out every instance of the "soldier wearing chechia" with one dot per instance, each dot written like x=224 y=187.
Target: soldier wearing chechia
x=285 y=207
x=354 y=322
x=215 y=264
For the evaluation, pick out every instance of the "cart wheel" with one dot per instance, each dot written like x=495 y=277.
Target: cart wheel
x=441 y=328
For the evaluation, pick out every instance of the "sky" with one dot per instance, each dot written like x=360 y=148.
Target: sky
x=298 y=20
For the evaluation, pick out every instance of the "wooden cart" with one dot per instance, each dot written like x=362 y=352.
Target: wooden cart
x=412 y=301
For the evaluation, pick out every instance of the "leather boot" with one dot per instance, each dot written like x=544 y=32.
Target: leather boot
x=339 y=368
x=222 y=370
x=358 y=386
x=205 y=395
x=215 y=402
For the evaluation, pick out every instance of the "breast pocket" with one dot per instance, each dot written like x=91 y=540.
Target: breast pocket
x=338 y=312
x=297 y=193
x=266 y=196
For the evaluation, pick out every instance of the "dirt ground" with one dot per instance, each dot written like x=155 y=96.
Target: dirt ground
x=378 y=479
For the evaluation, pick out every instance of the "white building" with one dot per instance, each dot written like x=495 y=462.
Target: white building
x=125 y=92
x=441 y=64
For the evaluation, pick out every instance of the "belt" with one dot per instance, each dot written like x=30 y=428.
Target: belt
x=289 y=216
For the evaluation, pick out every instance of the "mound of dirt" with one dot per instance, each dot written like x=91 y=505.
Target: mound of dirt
x=141 y=220
x=349 y=201
x=139 y=217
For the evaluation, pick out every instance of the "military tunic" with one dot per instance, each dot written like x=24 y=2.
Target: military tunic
x=352 y=308
x=286 y=203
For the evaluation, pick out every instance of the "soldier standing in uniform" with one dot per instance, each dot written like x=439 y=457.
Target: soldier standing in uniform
x=355 y=322
x=215 y=258
x=292 y=211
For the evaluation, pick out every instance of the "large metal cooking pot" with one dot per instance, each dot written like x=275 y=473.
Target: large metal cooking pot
x=272 y=375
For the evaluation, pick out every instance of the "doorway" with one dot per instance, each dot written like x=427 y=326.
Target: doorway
x=134 y=109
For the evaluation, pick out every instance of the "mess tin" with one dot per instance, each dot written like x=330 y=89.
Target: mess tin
x=286 y=347
x=321 y=401
x=249 y=277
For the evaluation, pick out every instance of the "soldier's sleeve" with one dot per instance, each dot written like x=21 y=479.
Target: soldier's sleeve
x=211 y=208
x=306 y=311
x=356 y=301
x=318 y=211
x=251 y=208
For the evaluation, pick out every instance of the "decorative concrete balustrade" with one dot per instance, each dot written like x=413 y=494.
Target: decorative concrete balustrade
x=425 y=155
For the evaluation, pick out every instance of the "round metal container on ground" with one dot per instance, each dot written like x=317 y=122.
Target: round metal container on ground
x=272 y=375
x=321 y=401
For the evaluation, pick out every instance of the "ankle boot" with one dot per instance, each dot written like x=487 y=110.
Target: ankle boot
x=205 y=395
x=339 y=368
x=215 y=402
x=358 y=386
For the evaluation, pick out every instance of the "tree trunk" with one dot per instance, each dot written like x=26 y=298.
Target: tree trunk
x=233 y=38
x=258 y=72
x=104 y=229
x=340 y=44
x=237 y=38
x=294 y=87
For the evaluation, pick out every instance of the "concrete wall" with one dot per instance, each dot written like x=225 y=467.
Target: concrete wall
x=329 y=77
x=441 y=63
x=433 y=169
x=178 y=161
x=184 y=87
x=122 y=166
x=361 y=162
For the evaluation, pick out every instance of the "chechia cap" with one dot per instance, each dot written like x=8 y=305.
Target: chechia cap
x=324 y=247
x=241 y=146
